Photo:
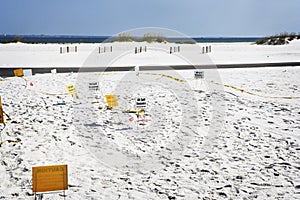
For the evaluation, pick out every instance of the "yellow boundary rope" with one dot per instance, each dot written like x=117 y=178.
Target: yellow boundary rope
x=42 y=92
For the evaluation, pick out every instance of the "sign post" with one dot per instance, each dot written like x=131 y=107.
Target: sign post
x=198 y=75
x=19 y=72
x=140 y=103
x=111 y=100
x=72 y=90
x=94 y=86
x=49 y=178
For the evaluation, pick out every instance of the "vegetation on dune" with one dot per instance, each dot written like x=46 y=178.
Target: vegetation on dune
x=278 y=39
x=154 y=37
x=147 y=37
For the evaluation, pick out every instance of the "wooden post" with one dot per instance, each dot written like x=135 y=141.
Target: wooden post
x=67 y=49
x=61 y=50
x=75 y=49
x=110 y=48
x=209 y=49
x=170 y=50
x=178 y=48
x=135 y=50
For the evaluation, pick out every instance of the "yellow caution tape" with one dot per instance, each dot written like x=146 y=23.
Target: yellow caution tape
x=167 y=76
x=42 y=92
x=10 y=141
x=244 y=91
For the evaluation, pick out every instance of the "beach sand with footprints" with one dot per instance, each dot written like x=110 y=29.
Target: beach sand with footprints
x=232 y=134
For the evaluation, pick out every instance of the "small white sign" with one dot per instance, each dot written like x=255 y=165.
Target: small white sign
x=27 y=72
x=140 y=103
x=94 y=86
x=199 y=74
x=53 y=71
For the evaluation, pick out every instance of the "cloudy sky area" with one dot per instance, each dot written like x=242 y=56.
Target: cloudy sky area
x=191 y=17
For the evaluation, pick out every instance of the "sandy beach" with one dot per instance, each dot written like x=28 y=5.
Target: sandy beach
x=233 y=134
x=123 y=54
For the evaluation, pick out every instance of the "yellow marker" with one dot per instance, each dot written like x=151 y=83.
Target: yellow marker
x=111 y=100
x=141 y=112
x=71 y=89
x=49 y=178
x=19 y=72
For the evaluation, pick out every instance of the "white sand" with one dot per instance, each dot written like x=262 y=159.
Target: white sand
x=255 y=155
x=48 y=55
x=200 y=140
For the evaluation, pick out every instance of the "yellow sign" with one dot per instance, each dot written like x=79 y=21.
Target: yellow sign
x=111 y=100
x=19 y=72
x=71 y=89
x=49 y=178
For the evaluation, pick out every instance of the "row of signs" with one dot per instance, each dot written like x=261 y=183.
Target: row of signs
x=22 y=72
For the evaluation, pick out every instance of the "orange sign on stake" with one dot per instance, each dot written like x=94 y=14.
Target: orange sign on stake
x=19 y=72
x=49 y=178
x=111 y=100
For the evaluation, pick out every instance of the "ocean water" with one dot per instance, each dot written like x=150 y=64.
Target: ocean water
x=99 y=39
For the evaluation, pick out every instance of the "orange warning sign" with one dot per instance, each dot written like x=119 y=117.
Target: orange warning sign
x=19 y=72
x=111 y=100
x=49 y=178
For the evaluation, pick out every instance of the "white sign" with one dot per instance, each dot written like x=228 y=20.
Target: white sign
x=199 y=74
x=94 y=86
x=140 y=103
x=53 y=71
x=27 y=72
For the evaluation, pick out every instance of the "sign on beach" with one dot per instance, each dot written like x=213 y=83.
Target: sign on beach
x=111 y=100
x=27 y=72
x=199 y=74
x=71 y=89
x=140 y=103
x=49 y=178
x=18 y=72
x=94 y=86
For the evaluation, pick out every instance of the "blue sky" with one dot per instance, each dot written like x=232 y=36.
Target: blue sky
x=191 y=17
